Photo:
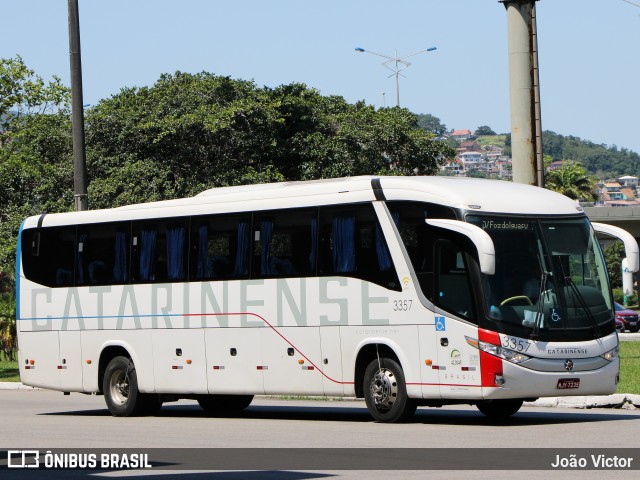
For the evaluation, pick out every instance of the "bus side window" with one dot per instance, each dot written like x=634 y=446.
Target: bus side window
x=220 y=247
x=352 y=244
x=48 y=255
x=160 y=251
x=452 y=289
x=102 y=254
x=285 y=243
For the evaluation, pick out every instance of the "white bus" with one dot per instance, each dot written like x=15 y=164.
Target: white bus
x=407 y=291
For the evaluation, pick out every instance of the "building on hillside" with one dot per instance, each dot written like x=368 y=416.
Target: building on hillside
x=628 y=181
x=469 y=146
x=454 y=167
x=557 y=165
x=461 y=135
x=471 y=158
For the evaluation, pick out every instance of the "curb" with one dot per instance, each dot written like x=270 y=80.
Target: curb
x=15 y=386
x=620 y=400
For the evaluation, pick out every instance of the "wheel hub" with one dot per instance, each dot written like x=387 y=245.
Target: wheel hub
x=384 y=389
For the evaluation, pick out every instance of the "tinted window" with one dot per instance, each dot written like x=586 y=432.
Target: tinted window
x=285 y=243
x=48 y=255
x=220 y=247
x=352 y=244
x=159 y=251
x=103 y=254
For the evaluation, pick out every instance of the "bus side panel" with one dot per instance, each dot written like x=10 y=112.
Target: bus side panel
x=234 y=356
x=138 y=345
x=429 y=360
x=70 y=361
x=331 y=365
x=179 y=360
x=460 y=375
x=39 y=356
x=292 y=364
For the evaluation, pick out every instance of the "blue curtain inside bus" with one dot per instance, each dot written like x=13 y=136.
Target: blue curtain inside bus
x=266 y=235
x=120 y=259
x=344 y=244
x=204 y=269
x=382 y=251
x=242 y=252
x=148 y=239
x=175 y=252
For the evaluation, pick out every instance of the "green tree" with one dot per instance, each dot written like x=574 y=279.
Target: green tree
x=485 y=130
x=190 y=132
x=573 y=181
x=613 y=255
x=431 y=124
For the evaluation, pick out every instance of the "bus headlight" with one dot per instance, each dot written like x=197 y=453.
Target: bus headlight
x=611 y=354
x=498 y=351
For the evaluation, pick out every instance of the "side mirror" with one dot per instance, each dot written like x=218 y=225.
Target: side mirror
x=480 y=238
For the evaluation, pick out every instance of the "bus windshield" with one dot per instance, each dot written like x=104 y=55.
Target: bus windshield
x=550 y=281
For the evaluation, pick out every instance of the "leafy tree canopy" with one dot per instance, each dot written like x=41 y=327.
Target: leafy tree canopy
x=573 y=181
x=485 y=130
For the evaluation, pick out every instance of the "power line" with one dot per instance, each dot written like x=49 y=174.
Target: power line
x=631 y=3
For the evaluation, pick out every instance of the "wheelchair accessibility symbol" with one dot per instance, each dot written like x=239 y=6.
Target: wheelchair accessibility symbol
x=555 y=314
x=440 y=324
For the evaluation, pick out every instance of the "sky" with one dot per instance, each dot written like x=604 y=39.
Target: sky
x=588 y=53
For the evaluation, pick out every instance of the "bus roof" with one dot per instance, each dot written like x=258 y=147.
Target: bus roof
x=480 y=195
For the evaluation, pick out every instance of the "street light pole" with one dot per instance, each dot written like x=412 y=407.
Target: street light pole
x=77 y=113
x=396 y=65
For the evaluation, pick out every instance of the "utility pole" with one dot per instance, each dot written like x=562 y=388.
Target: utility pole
x=77 y=113
x=524 y=85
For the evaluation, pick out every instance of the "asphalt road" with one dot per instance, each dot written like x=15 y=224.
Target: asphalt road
x=36 y=419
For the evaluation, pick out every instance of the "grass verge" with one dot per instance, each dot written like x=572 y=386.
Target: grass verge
x=629 y=368
x=9 y=370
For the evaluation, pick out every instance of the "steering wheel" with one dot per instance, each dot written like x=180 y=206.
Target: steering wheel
x=506 y=301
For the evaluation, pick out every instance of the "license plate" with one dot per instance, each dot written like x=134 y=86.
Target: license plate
x=633 y=324
x=568 y=383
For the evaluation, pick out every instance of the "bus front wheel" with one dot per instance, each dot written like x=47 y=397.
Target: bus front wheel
x=385 y=392
x=499 y=408
x=120 y=388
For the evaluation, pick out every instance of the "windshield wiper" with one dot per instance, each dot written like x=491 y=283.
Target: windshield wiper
x=583 y=305
x=540 y=310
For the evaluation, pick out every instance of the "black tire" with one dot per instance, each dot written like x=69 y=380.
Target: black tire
x=120 y=388
x=224 y=404
x=385 y=392
x=499 y=408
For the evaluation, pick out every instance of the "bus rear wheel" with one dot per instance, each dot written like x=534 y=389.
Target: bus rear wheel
x=120 y=388
x=385 y=392
x=223 y=404
x=499 y=408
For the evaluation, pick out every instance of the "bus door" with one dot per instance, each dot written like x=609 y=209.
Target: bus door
x=455 y=318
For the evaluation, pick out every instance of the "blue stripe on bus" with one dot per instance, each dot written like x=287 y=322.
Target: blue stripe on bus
x=18 y=262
